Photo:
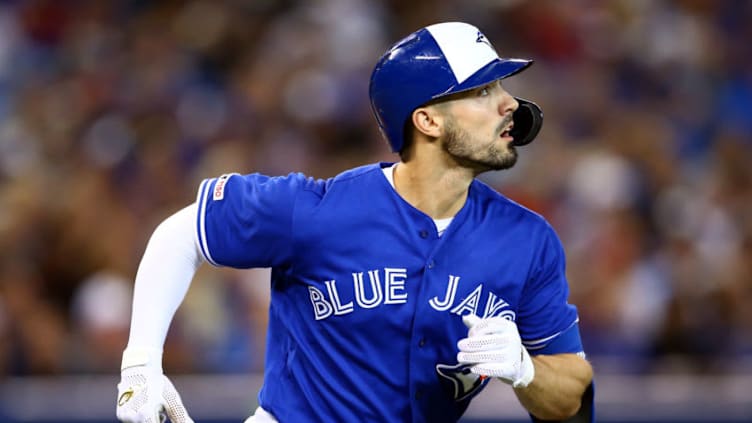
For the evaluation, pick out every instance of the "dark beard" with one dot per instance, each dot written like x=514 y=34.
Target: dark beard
x=458 y=144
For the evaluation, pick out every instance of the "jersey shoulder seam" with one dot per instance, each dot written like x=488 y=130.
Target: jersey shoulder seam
x=356 y=173
x=505 y=201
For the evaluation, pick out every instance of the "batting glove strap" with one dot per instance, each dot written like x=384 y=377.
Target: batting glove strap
x=133 y=357
x=493 y=348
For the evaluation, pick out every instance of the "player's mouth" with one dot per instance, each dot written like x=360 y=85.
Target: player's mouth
x=506 y=132
x=505 y=128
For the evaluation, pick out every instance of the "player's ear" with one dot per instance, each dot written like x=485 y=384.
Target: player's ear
x=428 y=120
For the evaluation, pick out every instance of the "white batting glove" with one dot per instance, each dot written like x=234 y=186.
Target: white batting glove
x=145 y=395
x=493 y=348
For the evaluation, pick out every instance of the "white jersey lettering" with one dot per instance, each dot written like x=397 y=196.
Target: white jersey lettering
x=469 y=304
x=492 y=306
x=394 y=281
x=376 y=293
x=339 y=308
x=392 y=290
x=321 y=308
x=443 y=305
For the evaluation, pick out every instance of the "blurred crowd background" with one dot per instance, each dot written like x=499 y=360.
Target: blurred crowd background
x=112 y=112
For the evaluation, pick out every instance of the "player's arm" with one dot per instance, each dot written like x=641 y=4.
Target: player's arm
x=556 y=391
x=550 y=385
x=162 y=280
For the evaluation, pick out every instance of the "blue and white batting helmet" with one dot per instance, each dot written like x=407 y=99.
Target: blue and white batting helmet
x=436 y=61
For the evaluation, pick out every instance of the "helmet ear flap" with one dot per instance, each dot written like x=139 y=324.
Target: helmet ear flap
x=528 y=120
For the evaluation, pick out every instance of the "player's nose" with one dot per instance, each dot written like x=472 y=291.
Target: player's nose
x=507 y=103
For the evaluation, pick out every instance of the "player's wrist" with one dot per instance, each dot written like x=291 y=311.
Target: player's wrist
x=141 y=356
x=527 y=371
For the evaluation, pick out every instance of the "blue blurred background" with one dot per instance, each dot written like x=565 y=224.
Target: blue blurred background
x=112 y=112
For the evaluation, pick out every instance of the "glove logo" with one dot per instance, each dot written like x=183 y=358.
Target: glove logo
x=125 y=397
x=461 y=381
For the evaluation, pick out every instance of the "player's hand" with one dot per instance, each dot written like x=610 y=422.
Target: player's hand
x=145 y=395
x=493 y=348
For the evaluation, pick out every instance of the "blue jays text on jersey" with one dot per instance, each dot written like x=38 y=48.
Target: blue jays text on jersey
x=393 y=292
x=367 y=299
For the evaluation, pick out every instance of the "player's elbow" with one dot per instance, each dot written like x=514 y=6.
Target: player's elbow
x=566 y=411
x=559 y=412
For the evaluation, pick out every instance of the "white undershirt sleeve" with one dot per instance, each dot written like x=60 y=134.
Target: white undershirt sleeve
x=162 y=280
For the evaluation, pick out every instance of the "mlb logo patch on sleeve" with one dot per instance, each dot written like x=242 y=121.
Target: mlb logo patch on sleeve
x=219 y=187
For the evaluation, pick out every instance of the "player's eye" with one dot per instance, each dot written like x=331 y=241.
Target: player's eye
x=486 y=90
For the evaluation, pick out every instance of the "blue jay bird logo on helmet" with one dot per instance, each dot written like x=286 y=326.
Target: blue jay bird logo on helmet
x=482 y=39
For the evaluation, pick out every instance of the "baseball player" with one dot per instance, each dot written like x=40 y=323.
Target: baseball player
x=398 y=290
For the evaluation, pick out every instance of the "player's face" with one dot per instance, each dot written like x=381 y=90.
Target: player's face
x=477 y=128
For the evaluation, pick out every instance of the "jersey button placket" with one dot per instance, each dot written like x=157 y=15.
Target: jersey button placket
x=421 y=344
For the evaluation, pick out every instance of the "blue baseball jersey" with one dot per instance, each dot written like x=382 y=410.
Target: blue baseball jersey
x=367 y=299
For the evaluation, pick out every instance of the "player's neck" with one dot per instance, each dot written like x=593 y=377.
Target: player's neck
x=437 y=191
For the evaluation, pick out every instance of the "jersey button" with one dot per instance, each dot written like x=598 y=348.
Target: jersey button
x=422 y=342
x=424 y=234
x=431 y=264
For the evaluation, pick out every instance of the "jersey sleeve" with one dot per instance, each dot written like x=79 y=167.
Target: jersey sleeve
x=546 y=321
x=246 y=221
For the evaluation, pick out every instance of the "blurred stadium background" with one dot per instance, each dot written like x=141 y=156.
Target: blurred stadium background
x=112 y=112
